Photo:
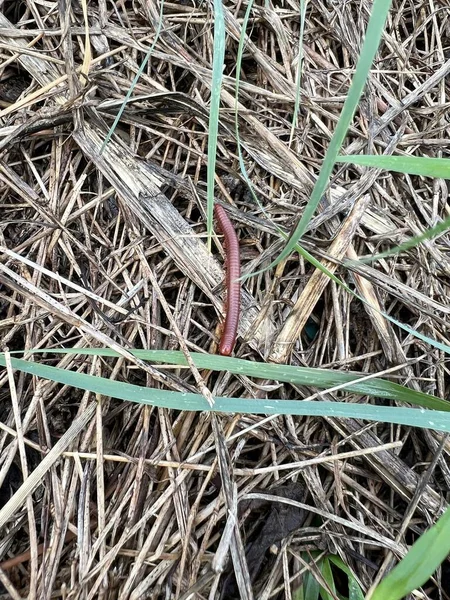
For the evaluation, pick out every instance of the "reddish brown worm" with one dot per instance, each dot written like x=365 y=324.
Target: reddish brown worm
x=233 y=285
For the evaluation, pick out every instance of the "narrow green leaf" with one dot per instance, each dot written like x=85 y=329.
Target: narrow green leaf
x=327 y=574
x=437 y=420
x=299 y=69
x=298 y=594
x=319 y=378
x=354 y=589
x=240 y=54
x=419 y=564
x=213 y=127
x=311 y=587
x=412 y=165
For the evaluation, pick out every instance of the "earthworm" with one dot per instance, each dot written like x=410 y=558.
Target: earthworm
x=233 y=285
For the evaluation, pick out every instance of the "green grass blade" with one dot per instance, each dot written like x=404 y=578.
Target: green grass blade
x=298 y=594
x=311 y=587
x=354 y=589
x=242 y=166
x=437 y=420
x=419 y=564
x=299 y=69
x=319 y=378
x=413 y=165
x=213 y=127
x=327 y=574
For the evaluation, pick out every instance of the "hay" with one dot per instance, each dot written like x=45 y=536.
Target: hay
x=107 y=248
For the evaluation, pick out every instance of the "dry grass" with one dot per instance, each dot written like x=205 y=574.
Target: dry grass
x=108 y=249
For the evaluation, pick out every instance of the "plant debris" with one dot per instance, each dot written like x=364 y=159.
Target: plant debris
x=105 y=245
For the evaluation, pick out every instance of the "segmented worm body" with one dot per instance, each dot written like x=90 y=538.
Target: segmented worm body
x=233 y=285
